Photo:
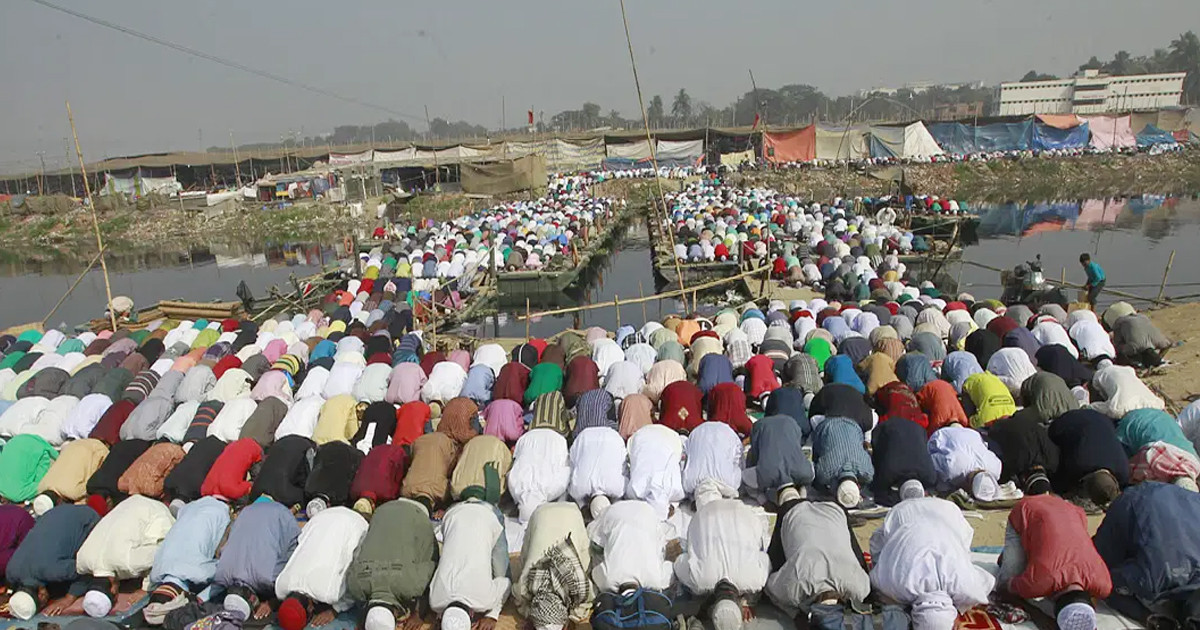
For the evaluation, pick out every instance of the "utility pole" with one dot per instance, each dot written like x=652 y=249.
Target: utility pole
x=70 y=166
x=42 y=176
x=236 y=167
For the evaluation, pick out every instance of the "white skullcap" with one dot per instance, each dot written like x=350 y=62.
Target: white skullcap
x=934 y=611
x=456 y=618
x=380 y=618
x=788 y=493
x=97 y=604
x=237 y=604
x=315 y=506
x=22 y=605
x=42 y=504
x=1187 y=483
x=984 y=487
x=1077 y=616
x=599 y=504
x=549 y=626
x=727 y=615
x=911 y=489
x=848 y=494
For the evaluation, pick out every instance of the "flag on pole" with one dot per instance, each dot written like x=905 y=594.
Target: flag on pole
x=756 y=119
x=531 y=116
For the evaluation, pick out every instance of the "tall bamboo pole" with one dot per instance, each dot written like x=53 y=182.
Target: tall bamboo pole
x=87 y=189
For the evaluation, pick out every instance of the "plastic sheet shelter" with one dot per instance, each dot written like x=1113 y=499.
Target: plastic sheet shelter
x=960 y=139
x=1110 y=132
x=498 y=178
x=835 y=142
x=909 y=141
x=790 y=146
x=690 y=150
x=1047 y=137
x=140 y=181
x=1152 y=135
x=638 y=150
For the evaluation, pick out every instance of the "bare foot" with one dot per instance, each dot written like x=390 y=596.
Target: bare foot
x=57 y=606
x=261 y=611
x=323 y=617
x=412 y=622
x=125 y=601
x=747 y=614
x=485 y=623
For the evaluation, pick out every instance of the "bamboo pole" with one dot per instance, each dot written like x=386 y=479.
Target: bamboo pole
x=617 y=304
x=87 y=189
x=1166 y=272
x=1071 y=285
x=62 y=299
x=527 y=337
x=658 y=296
x=642 y=294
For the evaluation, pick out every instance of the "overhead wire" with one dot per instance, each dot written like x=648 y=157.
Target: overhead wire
x=227 y=62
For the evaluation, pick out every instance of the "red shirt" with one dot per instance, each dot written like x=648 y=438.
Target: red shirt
x=680 y=406
x=1059 y=551
x=227 y=477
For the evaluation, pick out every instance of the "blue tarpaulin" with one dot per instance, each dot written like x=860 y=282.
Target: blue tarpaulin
x=1046 y=137
x=1152 y=135
x=961 y=139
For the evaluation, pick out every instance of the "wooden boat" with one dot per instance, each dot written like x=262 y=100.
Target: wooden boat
x=518 y=285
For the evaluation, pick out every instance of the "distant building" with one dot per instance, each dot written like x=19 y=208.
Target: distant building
x=958 y=111
x=918 y=87
x=1090 y=92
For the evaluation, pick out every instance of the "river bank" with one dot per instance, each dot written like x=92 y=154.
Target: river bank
x=1092 y=176
x=55 y=228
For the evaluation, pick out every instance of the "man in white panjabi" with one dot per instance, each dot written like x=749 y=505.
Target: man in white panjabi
x=634 y=541
x=922 y=555
x=726 y=556
x=472 y=574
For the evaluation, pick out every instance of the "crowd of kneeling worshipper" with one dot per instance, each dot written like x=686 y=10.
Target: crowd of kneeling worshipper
x=330 y=461
x=848 y=243
x=523 y=236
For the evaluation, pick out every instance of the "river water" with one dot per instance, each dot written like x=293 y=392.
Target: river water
x=1132 y=239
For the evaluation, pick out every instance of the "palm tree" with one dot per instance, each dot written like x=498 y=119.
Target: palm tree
x=681 y=108
x=1185 y=57
x=655 y=111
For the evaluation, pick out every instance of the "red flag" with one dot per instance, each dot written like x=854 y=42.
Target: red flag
x=755 y=126
x=531 y=116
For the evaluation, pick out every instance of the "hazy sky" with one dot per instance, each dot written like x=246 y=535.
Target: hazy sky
x=130 y=96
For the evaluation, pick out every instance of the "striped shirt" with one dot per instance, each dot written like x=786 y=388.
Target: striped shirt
x=838 y=453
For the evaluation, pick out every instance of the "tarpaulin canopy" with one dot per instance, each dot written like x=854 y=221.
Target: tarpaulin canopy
x=498 y=178
x=1110 y=132
x=836 y=142
x=140 y=181
x=633 y=150
x=1152 y=135
x=1060 y=121
x=351 y=159
x=919 y=143
x=1047 y=137
x=561 y=156
x=402 y=155
x=679 y=150
x=886 y=142
x=790 y=146
x=959 y=139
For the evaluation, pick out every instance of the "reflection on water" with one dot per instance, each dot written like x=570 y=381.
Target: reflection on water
x=30 y=289
x=1131 y=238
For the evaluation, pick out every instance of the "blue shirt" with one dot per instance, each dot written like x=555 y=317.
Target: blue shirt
x=1095 y=275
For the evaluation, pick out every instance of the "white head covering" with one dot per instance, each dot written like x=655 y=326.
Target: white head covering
x=456 y=618
x=727 y=615
x=22 y=605
x=848 y=493
x=97 y=604
x=380 y=618
x=599 y=504
x=236 y=603
x=707 y=491
x=911 y=489
x=984 y=486
x=42 y=504
x=934 y=611
x=1077 y=616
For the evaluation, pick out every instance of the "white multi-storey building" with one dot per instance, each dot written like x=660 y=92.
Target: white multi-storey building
x=1092 y=93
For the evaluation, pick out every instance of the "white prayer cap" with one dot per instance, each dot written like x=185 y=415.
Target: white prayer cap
x=911 y=489
x=22 y=605
x=788 y=493
x=848 y=494
x=707 y=491
x=599 y=504
x=1077 y=616
x=456 y=618
x=727 y=615
x=380 y=618
x=42 y=504
x=984 y=486
x=238 y=604
x=934 y=611
x=97 y=604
